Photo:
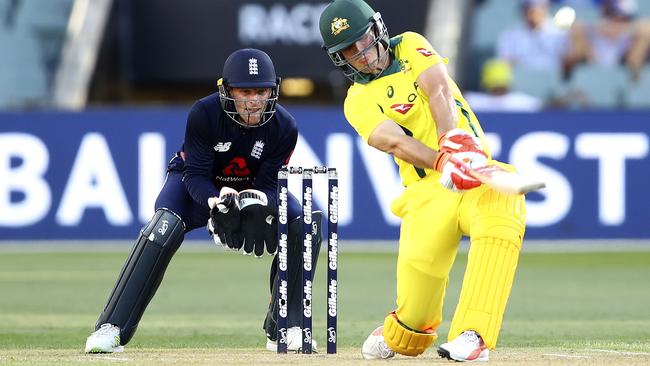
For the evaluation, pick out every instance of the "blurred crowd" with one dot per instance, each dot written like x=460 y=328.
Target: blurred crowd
x=524 y=55
x=563 y=61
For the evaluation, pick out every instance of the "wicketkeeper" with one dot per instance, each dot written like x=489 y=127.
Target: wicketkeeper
x=225 y=175
x=403 y=102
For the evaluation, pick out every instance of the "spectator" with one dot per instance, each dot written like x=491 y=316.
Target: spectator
x=617 y=38
x=536 y=42
x=577 y=3
x=496 y=80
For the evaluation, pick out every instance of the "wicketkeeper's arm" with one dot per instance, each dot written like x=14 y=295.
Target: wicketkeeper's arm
x=199 y=156
x=267 y=176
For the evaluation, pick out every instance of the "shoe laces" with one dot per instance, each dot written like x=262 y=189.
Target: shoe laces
x=105 y=329
x=470 y=337
x=384 y=350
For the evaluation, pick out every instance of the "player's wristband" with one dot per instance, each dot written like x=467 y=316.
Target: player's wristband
x=252 y=196
x=441 y=159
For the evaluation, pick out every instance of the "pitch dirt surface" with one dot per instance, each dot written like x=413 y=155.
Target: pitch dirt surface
x=347 y=356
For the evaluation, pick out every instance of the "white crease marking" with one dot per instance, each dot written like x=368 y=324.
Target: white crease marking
x=621 y=352
x=562 y=355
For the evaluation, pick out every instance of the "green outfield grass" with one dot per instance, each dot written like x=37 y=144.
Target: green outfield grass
x=211 y=299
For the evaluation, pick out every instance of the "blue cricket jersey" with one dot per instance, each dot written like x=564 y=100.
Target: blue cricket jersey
x=218 y=152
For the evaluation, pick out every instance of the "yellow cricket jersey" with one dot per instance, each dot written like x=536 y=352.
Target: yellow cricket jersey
x=396 y=96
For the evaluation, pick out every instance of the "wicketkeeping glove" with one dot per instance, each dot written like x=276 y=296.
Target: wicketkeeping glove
x=258 y=223
x=224 y=222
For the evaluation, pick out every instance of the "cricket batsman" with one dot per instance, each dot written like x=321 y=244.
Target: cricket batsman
x=403 y=102
x=225 y=174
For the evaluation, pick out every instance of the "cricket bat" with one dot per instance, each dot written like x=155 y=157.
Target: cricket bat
x=500 y=179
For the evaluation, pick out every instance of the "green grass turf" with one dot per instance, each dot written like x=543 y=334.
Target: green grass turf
x=211 y=298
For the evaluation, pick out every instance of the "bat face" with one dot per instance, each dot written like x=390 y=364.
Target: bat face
x=505 y=181
x=500 y=179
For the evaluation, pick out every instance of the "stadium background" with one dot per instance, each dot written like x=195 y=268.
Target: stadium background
x=93 y=100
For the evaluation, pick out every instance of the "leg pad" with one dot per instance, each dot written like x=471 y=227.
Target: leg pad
x=142 y=273
x=404 y=340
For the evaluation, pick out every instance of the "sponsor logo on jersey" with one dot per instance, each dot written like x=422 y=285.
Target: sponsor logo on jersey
x=257 y=149
x=236 y=167
x=424 y=52
x=339 y=25
x=252 y=66
x=401 y=108
x=222 y=146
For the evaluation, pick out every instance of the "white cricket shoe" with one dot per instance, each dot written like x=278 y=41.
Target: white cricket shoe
x=106 y=339
x=375 y=347
x=468 y=346
x=294 y=341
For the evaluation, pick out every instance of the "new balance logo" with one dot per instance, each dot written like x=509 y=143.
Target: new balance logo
x=401 y=108
x=222 y=146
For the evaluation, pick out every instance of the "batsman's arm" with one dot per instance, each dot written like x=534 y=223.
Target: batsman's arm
x=389 y=137
x=434 y=81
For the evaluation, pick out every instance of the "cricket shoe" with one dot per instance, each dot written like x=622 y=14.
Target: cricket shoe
x=294 y=341
x=375 y=347
x=106 y=339
x=467 y=347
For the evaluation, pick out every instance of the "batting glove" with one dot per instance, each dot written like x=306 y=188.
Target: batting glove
x=463 y=147
x=456 y=177
x=458 y=140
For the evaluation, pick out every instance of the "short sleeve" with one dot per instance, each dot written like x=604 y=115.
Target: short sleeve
x=363 y=114
x=419 y=52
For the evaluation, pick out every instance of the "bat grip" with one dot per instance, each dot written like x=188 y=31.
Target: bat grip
x=467 y=170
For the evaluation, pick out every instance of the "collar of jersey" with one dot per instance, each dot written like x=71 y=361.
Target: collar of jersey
x=392 y=69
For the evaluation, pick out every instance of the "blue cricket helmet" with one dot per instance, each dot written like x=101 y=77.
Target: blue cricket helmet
x=248 y=68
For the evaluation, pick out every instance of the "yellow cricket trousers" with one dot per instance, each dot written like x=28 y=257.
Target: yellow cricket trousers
x=433 y=221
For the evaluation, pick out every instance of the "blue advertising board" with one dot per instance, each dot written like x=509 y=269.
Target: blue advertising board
x=95 y=174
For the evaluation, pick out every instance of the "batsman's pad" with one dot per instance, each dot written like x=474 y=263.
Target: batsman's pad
x=142 y=273
x=294 y=305
x=404 y=340
x=497 y=230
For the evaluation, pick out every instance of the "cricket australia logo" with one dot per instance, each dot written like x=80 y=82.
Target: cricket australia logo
x=252 y=66
x=339 y=25
x=257 y=149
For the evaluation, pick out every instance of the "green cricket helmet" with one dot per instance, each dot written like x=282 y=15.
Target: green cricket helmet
x=342 y=23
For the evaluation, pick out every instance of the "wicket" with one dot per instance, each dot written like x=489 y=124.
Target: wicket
x=307 y=274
